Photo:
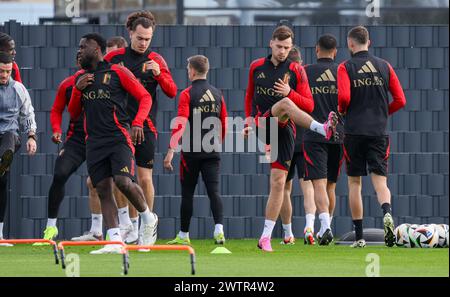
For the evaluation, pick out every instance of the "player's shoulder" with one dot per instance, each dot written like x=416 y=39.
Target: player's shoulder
x=115 y=54
x=19 y=88
x=257 y=62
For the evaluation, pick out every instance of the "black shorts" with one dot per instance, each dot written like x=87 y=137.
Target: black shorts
x=285 y=143
x=145 y=152
x=298 y=161
x=322 y=160
x=109 y=161
x=70 y=157
x=362 y=152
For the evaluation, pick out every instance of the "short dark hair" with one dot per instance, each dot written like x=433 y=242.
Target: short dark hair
x=295 y=55
x=5 y=58
x=118 y=41
x=97 y=38
x=359 y=34
x=200 y=63
x=282 y=33
x=327 y=42
x=5 y=39
x=144 y=18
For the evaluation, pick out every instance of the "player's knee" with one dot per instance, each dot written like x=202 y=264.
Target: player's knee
x=123 y=183
x=278 y=183
x=146 y=181
x=60 y=177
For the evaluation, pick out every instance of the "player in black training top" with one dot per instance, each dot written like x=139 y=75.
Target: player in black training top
x=364 y=83
x=278 y=88
x=101 y=93
x=199 y=103
x=151 y=70
x=71 y=155
x=298 y=164
x=323 y=157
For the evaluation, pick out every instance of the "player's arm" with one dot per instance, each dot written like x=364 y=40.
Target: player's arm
x=302 y=96
x=135 y=89
x=17 y=76
x=399 y=100
x=178 y=128
x=343 y=81
x=223 y=119
x=164 y=78
x=57 y=111
x=27 y=118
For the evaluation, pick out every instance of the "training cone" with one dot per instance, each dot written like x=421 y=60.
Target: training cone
x=221 y=250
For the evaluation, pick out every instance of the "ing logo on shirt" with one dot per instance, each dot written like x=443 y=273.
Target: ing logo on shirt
x=97 y=94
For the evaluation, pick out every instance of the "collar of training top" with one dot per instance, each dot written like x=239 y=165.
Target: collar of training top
x=325 y=60
x=361 y=54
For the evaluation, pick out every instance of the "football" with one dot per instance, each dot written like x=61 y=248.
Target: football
x=425 y=236
x=440 y=231
x=408 y=237
x=401 y=234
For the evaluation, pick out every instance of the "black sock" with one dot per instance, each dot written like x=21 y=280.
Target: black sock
x=358 y=229
x=386 y=208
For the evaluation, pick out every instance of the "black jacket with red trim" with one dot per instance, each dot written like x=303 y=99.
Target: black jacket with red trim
x=135 y=62
x=261 y=96
x=62 y=100
x=364 y=83
x=204 y=101
x=104 y=103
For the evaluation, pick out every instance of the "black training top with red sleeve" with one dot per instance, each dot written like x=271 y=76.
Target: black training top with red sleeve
x=135 y=62
x=104 y=103
x=205 y=101
x=62 y=100
x=364 y=82
x=261 y=96
x=15 y=74
x=322 y=81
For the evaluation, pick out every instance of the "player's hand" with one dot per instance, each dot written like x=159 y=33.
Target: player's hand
x=282 y=88
x=56 y=137
x=84 y=81
x=153 y=66
x=168 y=160
x=31 y=146
x=247 y=131
x=137 y=135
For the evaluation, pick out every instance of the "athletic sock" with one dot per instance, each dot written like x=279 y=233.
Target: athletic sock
x=318 y=128
x=324 y=222
x=96 y=224
x=183 y=235
x=135 y=222
x=268 y=228
x=147 y=217
x=51 y=222
x=218 y=228
x=1 y=230
x=287 y=228
x=124 y=216
x=386 y=208
x=114 y=234
x=358 y=229
x=310 y=221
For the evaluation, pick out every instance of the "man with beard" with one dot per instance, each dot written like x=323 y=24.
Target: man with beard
x=279 y=88
x=151 y=70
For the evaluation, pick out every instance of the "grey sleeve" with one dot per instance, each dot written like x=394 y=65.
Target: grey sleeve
x=26 y=115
